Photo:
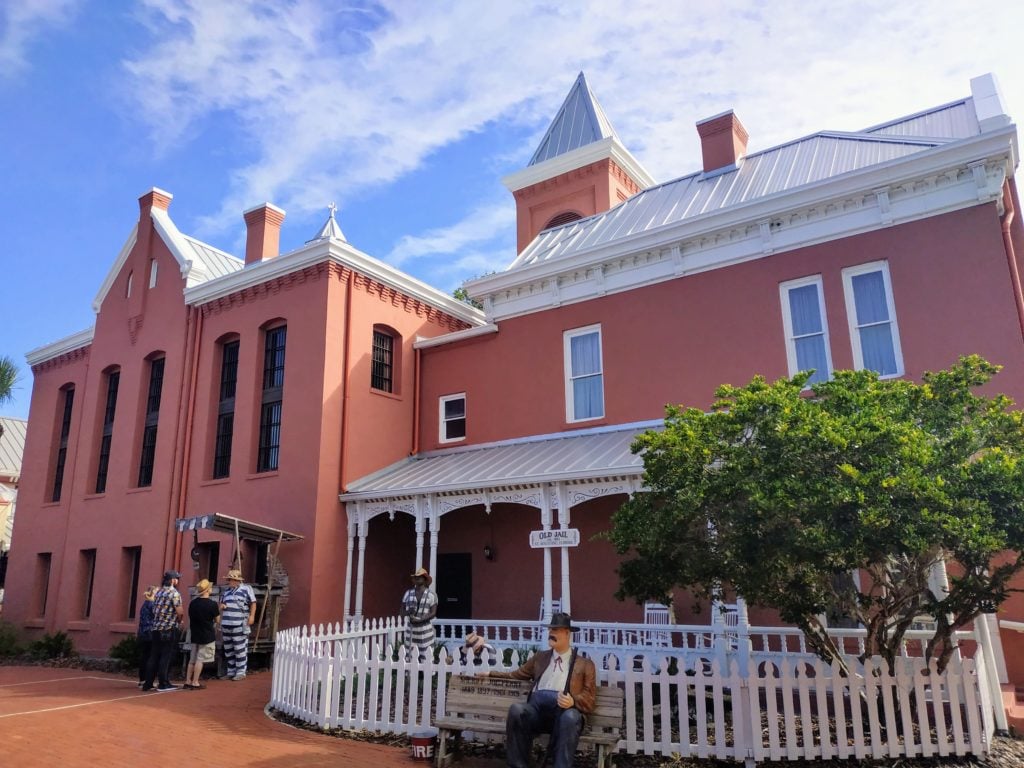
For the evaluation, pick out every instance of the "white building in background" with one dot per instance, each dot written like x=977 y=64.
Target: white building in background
x=12 y=447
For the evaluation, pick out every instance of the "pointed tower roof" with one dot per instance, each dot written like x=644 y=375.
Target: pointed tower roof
x=330 y=230
x=579 y=122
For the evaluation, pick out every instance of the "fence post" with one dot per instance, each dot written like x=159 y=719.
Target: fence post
x=984 y=639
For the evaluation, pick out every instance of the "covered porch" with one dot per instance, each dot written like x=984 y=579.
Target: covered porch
x=524 y=513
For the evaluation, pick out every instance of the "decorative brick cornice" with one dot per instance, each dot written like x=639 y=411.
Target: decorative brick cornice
x=412 y=305
x=273 y=286
x=68 y=358
x=576 y=173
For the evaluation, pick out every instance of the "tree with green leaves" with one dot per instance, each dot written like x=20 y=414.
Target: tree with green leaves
x=8 y=378
x=781 y=493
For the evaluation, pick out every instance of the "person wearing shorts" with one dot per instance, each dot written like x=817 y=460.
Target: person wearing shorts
x=203 y=615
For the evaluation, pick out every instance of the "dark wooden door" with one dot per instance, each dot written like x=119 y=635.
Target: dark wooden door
x=455 y=585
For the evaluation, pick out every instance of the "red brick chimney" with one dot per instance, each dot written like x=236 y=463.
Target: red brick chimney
x=262 y=232
x=155 y=198
x=723 y=141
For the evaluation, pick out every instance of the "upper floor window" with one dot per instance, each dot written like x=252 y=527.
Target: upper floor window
x=874 y=336
x=148 y=454
x=382 y=368
x=226 y=409
x=803 y=317
x=153 y=267
x=62 y=442
x=453 y=418
x=584 y=374
x=268 y=454
x=128 y=286
x=107 y=432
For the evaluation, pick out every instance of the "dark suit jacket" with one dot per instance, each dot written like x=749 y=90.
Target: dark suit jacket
x=582 y=685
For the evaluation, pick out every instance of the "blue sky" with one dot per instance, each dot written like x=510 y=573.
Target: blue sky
x=407 y=114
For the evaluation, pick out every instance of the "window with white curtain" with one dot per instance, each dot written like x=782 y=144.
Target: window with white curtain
x=803 y=317
x=874 y=335
x=584 y=374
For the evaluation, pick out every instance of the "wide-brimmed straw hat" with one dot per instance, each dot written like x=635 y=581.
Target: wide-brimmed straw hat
x=562 y=621
x=234 y=575
x=424 y=573
x=204 y=585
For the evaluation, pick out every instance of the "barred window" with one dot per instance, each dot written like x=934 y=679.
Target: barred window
x=269 y=453
x=107 y=435
x=148 y=454
x=226 y=410
x=382 y=368
x=62 y=444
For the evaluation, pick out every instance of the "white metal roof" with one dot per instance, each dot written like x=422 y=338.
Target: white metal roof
x=580 y=121
x=12 y=446
x=956 y=120
x=805 y=161
x=601 y=452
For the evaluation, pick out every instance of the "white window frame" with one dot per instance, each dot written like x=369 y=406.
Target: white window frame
x=851 y=315
x=787 y=322
x=570 y=405
x=442 y=436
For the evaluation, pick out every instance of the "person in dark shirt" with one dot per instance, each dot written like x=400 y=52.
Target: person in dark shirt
x=203 y=614
x=145 y=641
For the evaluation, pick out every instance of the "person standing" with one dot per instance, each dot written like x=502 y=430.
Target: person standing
x=167 y=613
x=237 y=614
x=419 y=606
x=564 y=690
x=144 y=635
x=203 y=614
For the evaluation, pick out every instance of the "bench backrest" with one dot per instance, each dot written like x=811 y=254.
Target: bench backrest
x=488 y=699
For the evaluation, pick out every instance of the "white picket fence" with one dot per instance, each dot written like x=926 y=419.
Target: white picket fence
x=749 y=707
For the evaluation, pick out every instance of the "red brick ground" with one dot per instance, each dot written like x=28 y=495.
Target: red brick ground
x=73 y=718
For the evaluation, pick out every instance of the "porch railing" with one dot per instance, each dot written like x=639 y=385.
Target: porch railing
x=704 y=694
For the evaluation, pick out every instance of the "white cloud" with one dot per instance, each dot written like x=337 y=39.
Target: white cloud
x=332 y=102
x=22 y=22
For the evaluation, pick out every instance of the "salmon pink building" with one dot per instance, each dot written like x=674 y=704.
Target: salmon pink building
x=383 y=425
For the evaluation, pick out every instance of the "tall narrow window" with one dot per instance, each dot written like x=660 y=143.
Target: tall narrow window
x=225 y=409
x=43 y=561
x=148 y=453
x=131 y=561
x=113 y=381
x=453 y=418
x=874 y=337
x=88 y=575
x=383 y=365
x=584 y=374
x=153 y=266
x=803 y=317
x=62 y=443
x=269 y=452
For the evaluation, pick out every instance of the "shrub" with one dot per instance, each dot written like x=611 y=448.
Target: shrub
x=55 y=646
x=10 y=644
x=126 y=652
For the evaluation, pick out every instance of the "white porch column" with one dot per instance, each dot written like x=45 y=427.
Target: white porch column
x=435 y=525
x=545 y=522
x=420 y=528
x=563 y=522
x=363 y=528
x=348 y=562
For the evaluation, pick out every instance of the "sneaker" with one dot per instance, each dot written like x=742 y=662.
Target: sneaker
x=236 y=678
x=167 y=688
x=141 y=683
x=147 y=688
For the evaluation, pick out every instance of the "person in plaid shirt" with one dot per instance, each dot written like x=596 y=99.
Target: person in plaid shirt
x=167 y=613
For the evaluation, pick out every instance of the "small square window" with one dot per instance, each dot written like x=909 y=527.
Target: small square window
x=453 y=418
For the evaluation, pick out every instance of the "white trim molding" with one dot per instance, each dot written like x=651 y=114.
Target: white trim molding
x=59 y=347
x=609 y=148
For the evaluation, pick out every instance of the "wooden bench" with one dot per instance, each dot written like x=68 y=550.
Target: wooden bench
x=480 y=704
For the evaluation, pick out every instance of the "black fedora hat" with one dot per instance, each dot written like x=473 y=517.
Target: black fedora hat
x=562 y=621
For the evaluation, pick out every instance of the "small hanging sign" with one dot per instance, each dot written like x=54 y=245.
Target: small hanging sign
x=557 y=537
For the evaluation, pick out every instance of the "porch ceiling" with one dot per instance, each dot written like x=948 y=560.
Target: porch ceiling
x=603 y=452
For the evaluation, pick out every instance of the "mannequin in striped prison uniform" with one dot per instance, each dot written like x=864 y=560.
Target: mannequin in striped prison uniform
x=419 y=606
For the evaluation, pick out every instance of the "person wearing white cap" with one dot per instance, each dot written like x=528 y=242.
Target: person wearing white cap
x=419 y=606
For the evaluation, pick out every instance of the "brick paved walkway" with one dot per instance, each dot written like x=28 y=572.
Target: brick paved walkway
x=74 y=718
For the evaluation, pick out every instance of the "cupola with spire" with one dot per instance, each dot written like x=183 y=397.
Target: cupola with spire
x=330 y=230
x=580 y=168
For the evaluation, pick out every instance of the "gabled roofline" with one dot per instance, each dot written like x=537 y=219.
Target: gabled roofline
x=115 y=269
x=59 y=347
x=340 y=253
x=603 y=149
x=958 y=152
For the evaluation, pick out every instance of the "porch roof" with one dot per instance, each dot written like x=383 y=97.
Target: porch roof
x=227 y=524
x=602 y=452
